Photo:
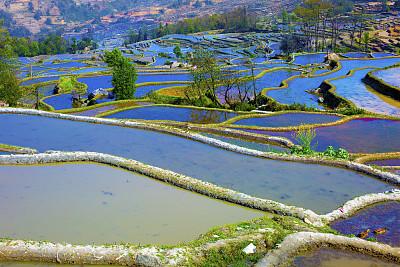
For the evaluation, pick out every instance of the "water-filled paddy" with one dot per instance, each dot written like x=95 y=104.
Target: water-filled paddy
x=174 y=114
x=88 y=70
x=40 y=80
x=353 y=89
x=119 y=105
x=309 y=59
x=390 y=76
x=274 y=78
x=161 y=60
x=247 y=144
x=325 y=257
x=358 y=136
x=387 y=162
x=355 y=55
x=67 y=65
x=378 y=55
x=288 y=119
x=288 y=182
x=162 y=78
x=58 y=102
x=296 y=88
x=382 y=215
x=88 y=203
x=320 y=71
x=97 y=82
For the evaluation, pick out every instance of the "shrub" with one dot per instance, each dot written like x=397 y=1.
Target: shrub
x=304 y=138
x=351 y=111
x=295 y=150
x=342 y=154
x=330 y=152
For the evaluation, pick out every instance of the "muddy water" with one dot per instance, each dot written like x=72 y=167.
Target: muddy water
x=324 y=257
x=89 y=203
x=382 y=215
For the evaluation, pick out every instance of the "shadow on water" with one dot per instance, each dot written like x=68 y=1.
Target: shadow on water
x=174 y=114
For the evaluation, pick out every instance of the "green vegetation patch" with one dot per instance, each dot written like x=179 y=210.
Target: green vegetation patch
x=67 y=84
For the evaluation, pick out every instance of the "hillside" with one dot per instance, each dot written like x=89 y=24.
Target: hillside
x=45 y=15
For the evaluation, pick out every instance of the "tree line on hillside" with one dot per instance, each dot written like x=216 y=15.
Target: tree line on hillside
x=51 y=45
x=322 y=22
x=237 y=20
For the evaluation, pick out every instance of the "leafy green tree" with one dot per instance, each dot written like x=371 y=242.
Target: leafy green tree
x=366 y=40
x=9 y=88
x=285 y=17
x=178 y=52
x=205 y=76
x=124 y=77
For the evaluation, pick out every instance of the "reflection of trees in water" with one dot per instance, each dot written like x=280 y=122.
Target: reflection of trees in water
x=30 y=97
x=208 y=116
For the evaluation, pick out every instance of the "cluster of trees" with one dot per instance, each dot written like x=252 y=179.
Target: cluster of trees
x=239 y=20
x=10 y=91
x=322 y=22
x=51 y=45
x=211 y=83
x=141 y=35
x=124 y=76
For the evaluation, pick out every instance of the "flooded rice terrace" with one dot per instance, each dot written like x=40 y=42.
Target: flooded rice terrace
x=88 y=203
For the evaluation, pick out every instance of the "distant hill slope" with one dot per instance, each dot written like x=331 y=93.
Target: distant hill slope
x=38 y=15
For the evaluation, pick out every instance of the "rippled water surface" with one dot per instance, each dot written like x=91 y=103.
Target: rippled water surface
x=353 y=89
x=288 y=182
x=390 y=76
